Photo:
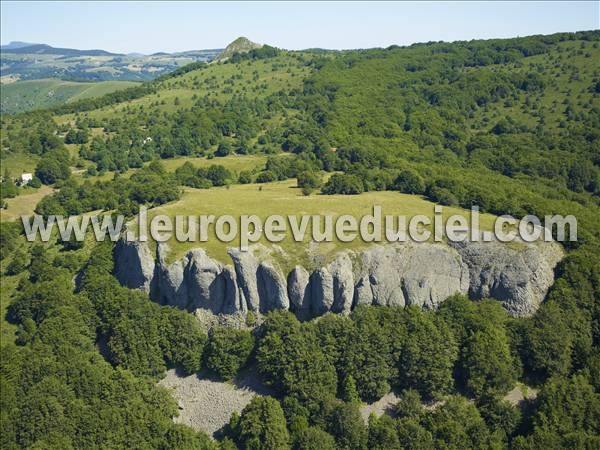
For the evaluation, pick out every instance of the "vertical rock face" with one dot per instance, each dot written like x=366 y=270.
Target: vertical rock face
x=233 y=302
x=134 y=264
x=171 y=287
x=195 y=281
x=519 y=277
x=246 y=266
x=299 y=292
x=206 y=285
x=332 y=287
x=391 y=275
x=423 y=275
x=272 y=288
x=343 y=284
x=321 y=291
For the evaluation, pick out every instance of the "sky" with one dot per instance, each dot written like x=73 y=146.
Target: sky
x=148 y=27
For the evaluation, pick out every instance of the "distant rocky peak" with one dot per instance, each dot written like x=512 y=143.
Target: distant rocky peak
x=240 y=45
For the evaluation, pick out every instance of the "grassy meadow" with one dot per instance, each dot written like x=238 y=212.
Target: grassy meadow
x=284 y=198
x=16 y=163
x=24 y=204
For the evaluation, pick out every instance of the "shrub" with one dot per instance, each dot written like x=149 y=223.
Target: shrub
x=224 y=149
x=409 y=182
x=343 y=184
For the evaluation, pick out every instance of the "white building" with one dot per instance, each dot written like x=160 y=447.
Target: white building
x=26 y=178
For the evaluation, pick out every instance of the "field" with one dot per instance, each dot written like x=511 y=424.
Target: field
x=24 y=204
x=17 y=163
x=26 y=95
x=284 y=198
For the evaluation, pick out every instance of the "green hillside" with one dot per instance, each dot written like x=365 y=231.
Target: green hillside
x=23 y=96
x=509 y=125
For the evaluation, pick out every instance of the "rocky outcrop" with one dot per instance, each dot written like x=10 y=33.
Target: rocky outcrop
x=519 y=275
x=240 y=45
x=171 y=289
x=134 y=264
x=272 y=288
x=423 y=275
x=246 y=266
x=206 y=287
x=332 y=287
x=299 y=292
x=232 y=301
x=321 y=291
x=263 y=287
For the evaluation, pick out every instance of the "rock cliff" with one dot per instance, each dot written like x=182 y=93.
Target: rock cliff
x=395 y=275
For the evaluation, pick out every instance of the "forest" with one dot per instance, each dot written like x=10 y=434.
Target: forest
x=510 y=125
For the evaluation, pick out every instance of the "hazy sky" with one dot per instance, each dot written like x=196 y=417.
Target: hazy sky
x=148 y=27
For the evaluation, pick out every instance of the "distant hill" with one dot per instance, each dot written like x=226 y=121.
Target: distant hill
x=24 y=61
x=24 y=96
x=15 y=44
x=240 y=45
x=43 y=49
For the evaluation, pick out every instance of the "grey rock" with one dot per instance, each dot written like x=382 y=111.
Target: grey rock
x=343 y=284
x=299 y=292
x=205 y=283
x=332 y=287
x=519 y=275
x=425 y=274
x=134 y=264
x=171 y=287
x=321 y=291
x=232 y=301
x=246 y=267
x=272 y=288
x=398 y=275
